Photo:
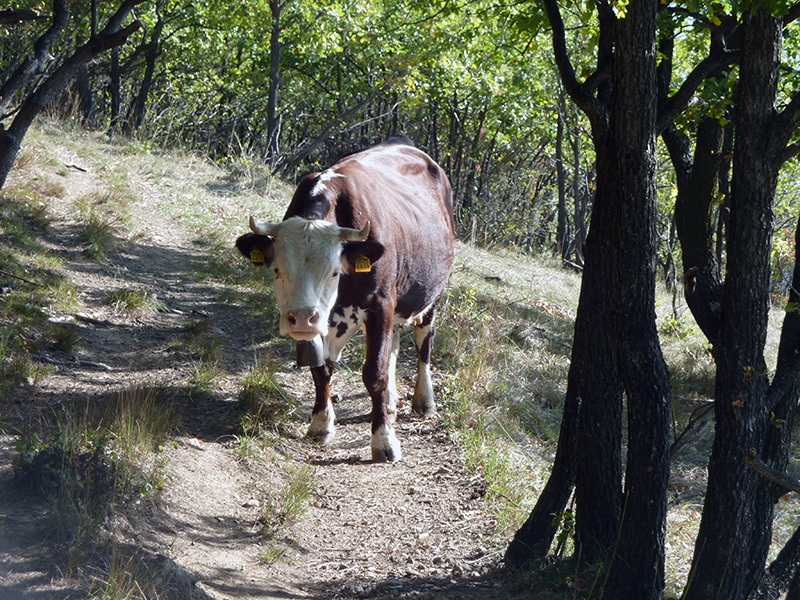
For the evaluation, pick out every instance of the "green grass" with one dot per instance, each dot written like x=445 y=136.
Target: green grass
x=290 y=503
x=98 y=233
x=87 y=464
x=32 y=283
x=134 y=302
x=264 y=400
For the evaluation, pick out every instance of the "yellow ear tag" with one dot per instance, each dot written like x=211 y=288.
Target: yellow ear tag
x=363 y=265
x=256 y=257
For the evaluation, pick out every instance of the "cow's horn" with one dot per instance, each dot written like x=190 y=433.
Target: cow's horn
x=347 y=234
x=262 y=228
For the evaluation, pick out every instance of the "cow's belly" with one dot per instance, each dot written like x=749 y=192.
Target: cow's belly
x=414 y=319
x=344 y=321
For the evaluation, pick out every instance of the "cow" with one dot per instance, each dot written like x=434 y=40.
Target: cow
x=367 y=243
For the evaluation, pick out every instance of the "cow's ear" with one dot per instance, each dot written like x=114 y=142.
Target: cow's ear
x=258 y=249
x=358 y=257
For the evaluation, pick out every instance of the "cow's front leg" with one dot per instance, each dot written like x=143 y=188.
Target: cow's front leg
x=322 y=427
x=380 y=331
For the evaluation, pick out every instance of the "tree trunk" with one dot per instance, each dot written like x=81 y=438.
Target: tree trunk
x=616 y=348
x=562 y=232
x=139 y=105
x=274 y=81
x=637 y=565
x=115 y=90
x=34 y=103
x=735 y=530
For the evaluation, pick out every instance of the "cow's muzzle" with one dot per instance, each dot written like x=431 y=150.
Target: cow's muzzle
x=303 y=324
x=303 y=320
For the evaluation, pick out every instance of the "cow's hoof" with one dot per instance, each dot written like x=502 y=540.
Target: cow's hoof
x=322 y=428
x=385 y=447
x=424 y=407
x=323 y=438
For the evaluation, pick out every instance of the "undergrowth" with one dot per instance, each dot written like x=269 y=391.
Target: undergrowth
x=86 y=462
x=31 y=281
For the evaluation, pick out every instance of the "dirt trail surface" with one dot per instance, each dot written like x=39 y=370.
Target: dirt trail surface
x=418 y=528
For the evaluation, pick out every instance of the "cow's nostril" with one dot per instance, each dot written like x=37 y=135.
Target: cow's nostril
x=291 y=319
x=314 y=318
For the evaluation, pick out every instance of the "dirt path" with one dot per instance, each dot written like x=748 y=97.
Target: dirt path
x=417 y=528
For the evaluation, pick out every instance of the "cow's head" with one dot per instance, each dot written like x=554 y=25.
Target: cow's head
x=308 y=258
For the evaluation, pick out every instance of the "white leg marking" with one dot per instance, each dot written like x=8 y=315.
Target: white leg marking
x=385 y=447
x=423 y=389
x=322 y=428
x=391 y=392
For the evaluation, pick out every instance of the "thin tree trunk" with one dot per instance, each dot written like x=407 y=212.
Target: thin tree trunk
x=274 y=81
x=111 y=36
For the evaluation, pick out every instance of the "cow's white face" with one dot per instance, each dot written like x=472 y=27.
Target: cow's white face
x=307 y=263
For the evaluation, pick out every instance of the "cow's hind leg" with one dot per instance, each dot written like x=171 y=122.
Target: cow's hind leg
x=322 y=427
x=392 y=396
x=423 y=390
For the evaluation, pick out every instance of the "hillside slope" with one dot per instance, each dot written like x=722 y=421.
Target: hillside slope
x=419 y=528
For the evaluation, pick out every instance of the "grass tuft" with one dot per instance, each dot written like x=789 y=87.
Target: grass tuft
x=137 y=303
x=86 y=463
x=290 y=503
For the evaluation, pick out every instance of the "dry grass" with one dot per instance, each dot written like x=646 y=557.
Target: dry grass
x=503 y=343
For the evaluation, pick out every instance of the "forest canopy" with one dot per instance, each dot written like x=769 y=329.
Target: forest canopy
x=294 y=85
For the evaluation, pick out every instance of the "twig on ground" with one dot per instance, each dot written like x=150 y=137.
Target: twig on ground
x=7 y=274
x=74 y=363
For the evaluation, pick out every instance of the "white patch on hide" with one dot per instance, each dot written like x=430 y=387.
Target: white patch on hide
x=353 y=320
x=320 y=187
x=322 y=427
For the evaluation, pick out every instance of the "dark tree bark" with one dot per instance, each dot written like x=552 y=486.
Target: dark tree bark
x=112 y=35
x=115 y=90
x=637 y=564
x=562 y=229
x=700 y=177
x=275 y=7
x=615 y=350
x=35 y=62
x=83 y=81
x=581 y=200
x=152 y=52
x=735 y=530
x=10 y=16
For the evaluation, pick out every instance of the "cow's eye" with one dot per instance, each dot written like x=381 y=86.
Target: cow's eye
x=334 y=275
x=277 y=272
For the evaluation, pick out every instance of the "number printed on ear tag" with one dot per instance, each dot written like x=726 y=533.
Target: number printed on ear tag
x=363 y=265
x=257 y=257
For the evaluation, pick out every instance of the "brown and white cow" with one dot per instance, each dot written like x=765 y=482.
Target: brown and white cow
x=366 y=243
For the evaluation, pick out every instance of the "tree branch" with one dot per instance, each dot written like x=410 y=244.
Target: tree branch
x=763 y=469
x=786 y=125
x=675 y=105
x=36 y=61
x=574 y=88
x=10 y=16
